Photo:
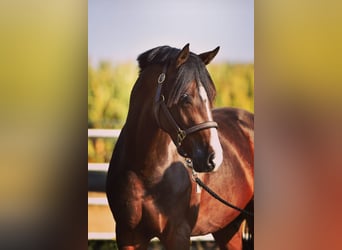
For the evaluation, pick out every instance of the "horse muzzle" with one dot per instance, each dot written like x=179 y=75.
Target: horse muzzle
x=206 y=161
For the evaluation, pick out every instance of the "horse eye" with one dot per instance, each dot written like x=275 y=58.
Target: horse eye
x=186 y=99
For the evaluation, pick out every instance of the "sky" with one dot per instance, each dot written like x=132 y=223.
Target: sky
x=120 y=30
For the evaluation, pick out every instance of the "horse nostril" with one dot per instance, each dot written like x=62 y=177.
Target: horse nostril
x=211 y=162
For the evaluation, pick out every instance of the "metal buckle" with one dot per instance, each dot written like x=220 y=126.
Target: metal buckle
x=188 y=162
x=180 y=136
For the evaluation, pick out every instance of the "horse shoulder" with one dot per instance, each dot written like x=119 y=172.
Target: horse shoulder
x=237 y=119
x=236 y=127
x=236 y=131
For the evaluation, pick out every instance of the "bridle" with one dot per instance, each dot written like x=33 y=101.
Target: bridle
x=179 y=134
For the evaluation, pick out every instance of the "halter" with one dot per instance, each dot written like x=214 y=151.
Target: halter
x=181 y=134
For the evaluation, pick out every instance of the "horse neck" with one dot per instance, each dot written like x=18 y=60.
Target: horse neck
x=151 y=148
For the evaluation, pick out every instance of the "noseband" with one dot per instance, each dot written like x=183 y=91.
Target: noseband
x=181 y=134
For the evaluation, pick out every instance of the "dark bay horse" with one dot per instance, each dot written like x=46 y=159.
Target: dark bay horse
x=150 y=188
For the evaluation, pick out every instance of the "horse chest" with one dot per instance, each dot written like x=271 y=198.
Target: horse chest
x=140 y=203
x=165 y=203
x=153 y=215
x=127 y=205
x=143 y=209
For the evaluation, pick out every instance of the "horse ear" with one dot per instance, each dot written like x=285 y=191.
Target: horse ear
x=183 y=55
x=208 y=56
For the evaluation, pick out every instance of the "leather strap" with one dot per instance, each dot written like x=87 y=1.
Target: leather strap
x=180 y=135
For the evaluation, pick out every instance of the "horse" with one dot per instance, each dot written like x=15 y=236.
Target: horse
x=171 y=121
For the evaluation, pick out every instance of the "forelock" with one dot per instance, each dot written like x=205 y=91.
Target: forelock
x=192 y=69
x=159 y=55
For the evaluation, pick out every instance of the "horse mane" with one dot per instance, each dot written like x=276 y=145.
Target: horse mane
x=192 y=69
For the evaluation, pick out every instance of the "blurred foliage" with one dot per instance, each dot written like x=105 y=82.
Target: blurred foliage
x=100 y=149
x=234 y=85
x=109 y=88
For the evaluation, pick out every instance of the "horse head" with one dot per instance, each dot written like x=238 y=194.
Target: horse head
x=183 y=103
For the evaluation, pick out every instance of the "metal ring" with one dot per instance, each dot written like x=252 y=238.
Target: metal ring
x=180 y=136
x=161 y=78
x=188 y=162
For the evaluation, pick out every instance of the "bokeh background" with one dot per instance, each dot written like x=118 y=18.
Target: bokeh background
x=118 y=31
x=44 y=122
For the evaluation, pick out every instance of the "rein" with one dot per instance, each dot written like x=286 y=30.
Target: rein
x=212 y=193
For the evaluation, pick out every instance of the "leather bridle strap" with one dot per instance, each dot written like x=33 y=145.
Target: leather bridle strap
x=201 y=126
x=159 y=101
x=181 y=134
x=158 y=98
